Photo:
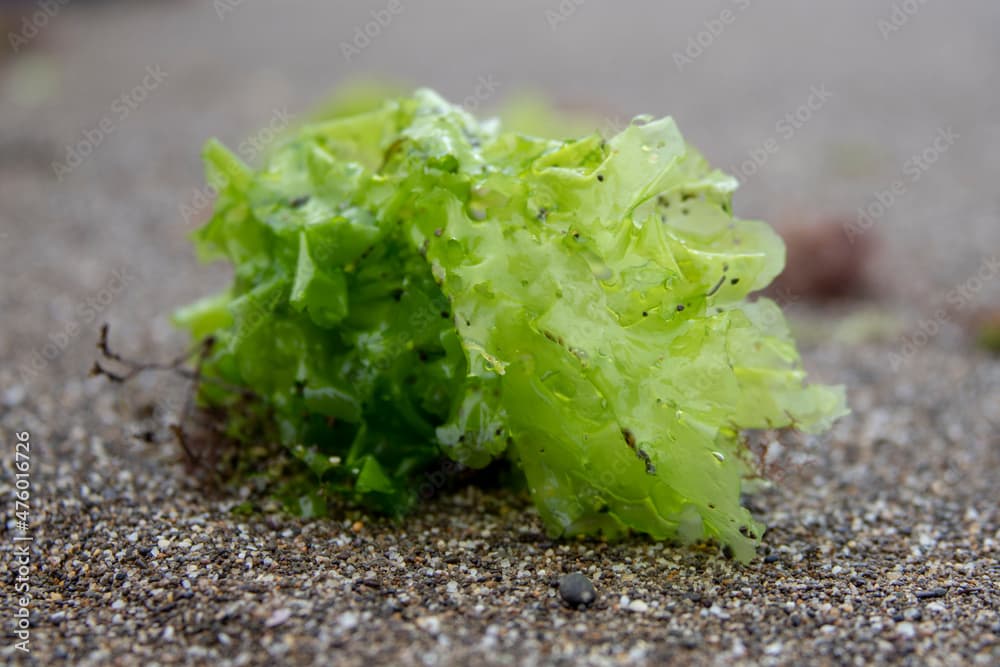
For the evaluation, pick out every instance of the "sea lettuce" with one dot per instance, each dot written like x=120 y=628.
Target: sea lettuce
x=411 y=283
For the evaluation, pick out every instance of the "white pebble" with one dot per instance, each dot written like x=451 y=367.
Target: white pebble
x=429 y=624
x=638 y=606
x=906 y=630
x=348 y=620
x=278 y=617
x=14 y=395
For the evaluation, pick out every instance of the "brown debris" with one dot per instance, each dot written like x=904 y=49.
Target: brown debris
x=822 y=262
x=985 y=325
x=199 y=434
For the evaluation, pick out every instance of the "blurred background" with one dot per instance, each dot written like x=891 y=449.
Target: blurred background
x=879 y=121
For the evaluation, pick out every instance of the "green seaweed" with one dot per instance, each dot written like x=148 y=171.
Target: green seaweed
x=411 y=283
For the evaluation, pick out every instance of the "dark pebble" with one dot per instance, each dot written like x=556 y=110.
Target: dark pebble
x=576 y=589
x=691 y=642
x=932 y=593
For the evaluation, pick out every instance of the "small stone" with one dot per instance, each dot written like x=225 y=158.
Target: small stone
x=906 y=630
x=576 y=589
x=13 y=396
x=348 y=620
x=932 y=593
x=638 y=606
x=278 y=617
x=429 y=624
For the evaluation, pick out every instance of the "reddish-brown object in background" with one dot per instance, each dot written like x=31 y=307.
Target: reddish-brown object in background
x=823 y=262
x=985 y=324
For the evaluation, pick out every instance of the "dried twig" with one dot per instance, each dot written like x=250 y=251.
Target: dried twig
x=177 y=366
x=133 y=368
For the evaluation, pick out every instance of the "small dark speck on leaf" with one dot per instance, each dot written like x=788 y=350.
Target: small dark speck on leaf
x=650 y=468
x=716 y=287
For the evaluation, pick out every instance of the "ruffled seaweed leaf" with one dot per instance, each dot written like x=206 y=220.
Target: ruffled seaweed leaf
x=410 y=282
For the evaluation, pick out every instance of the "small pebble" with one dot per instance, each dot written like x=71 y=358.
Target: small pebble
x=932 y=593
x=348 y=620
x=638 y=606
x=13 y=396
x=278 y=617
x=429 y=624
x=576 y=589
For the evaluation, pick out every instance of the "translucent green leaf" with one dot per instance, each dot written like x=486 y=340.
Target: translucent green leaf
x=412 y=283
